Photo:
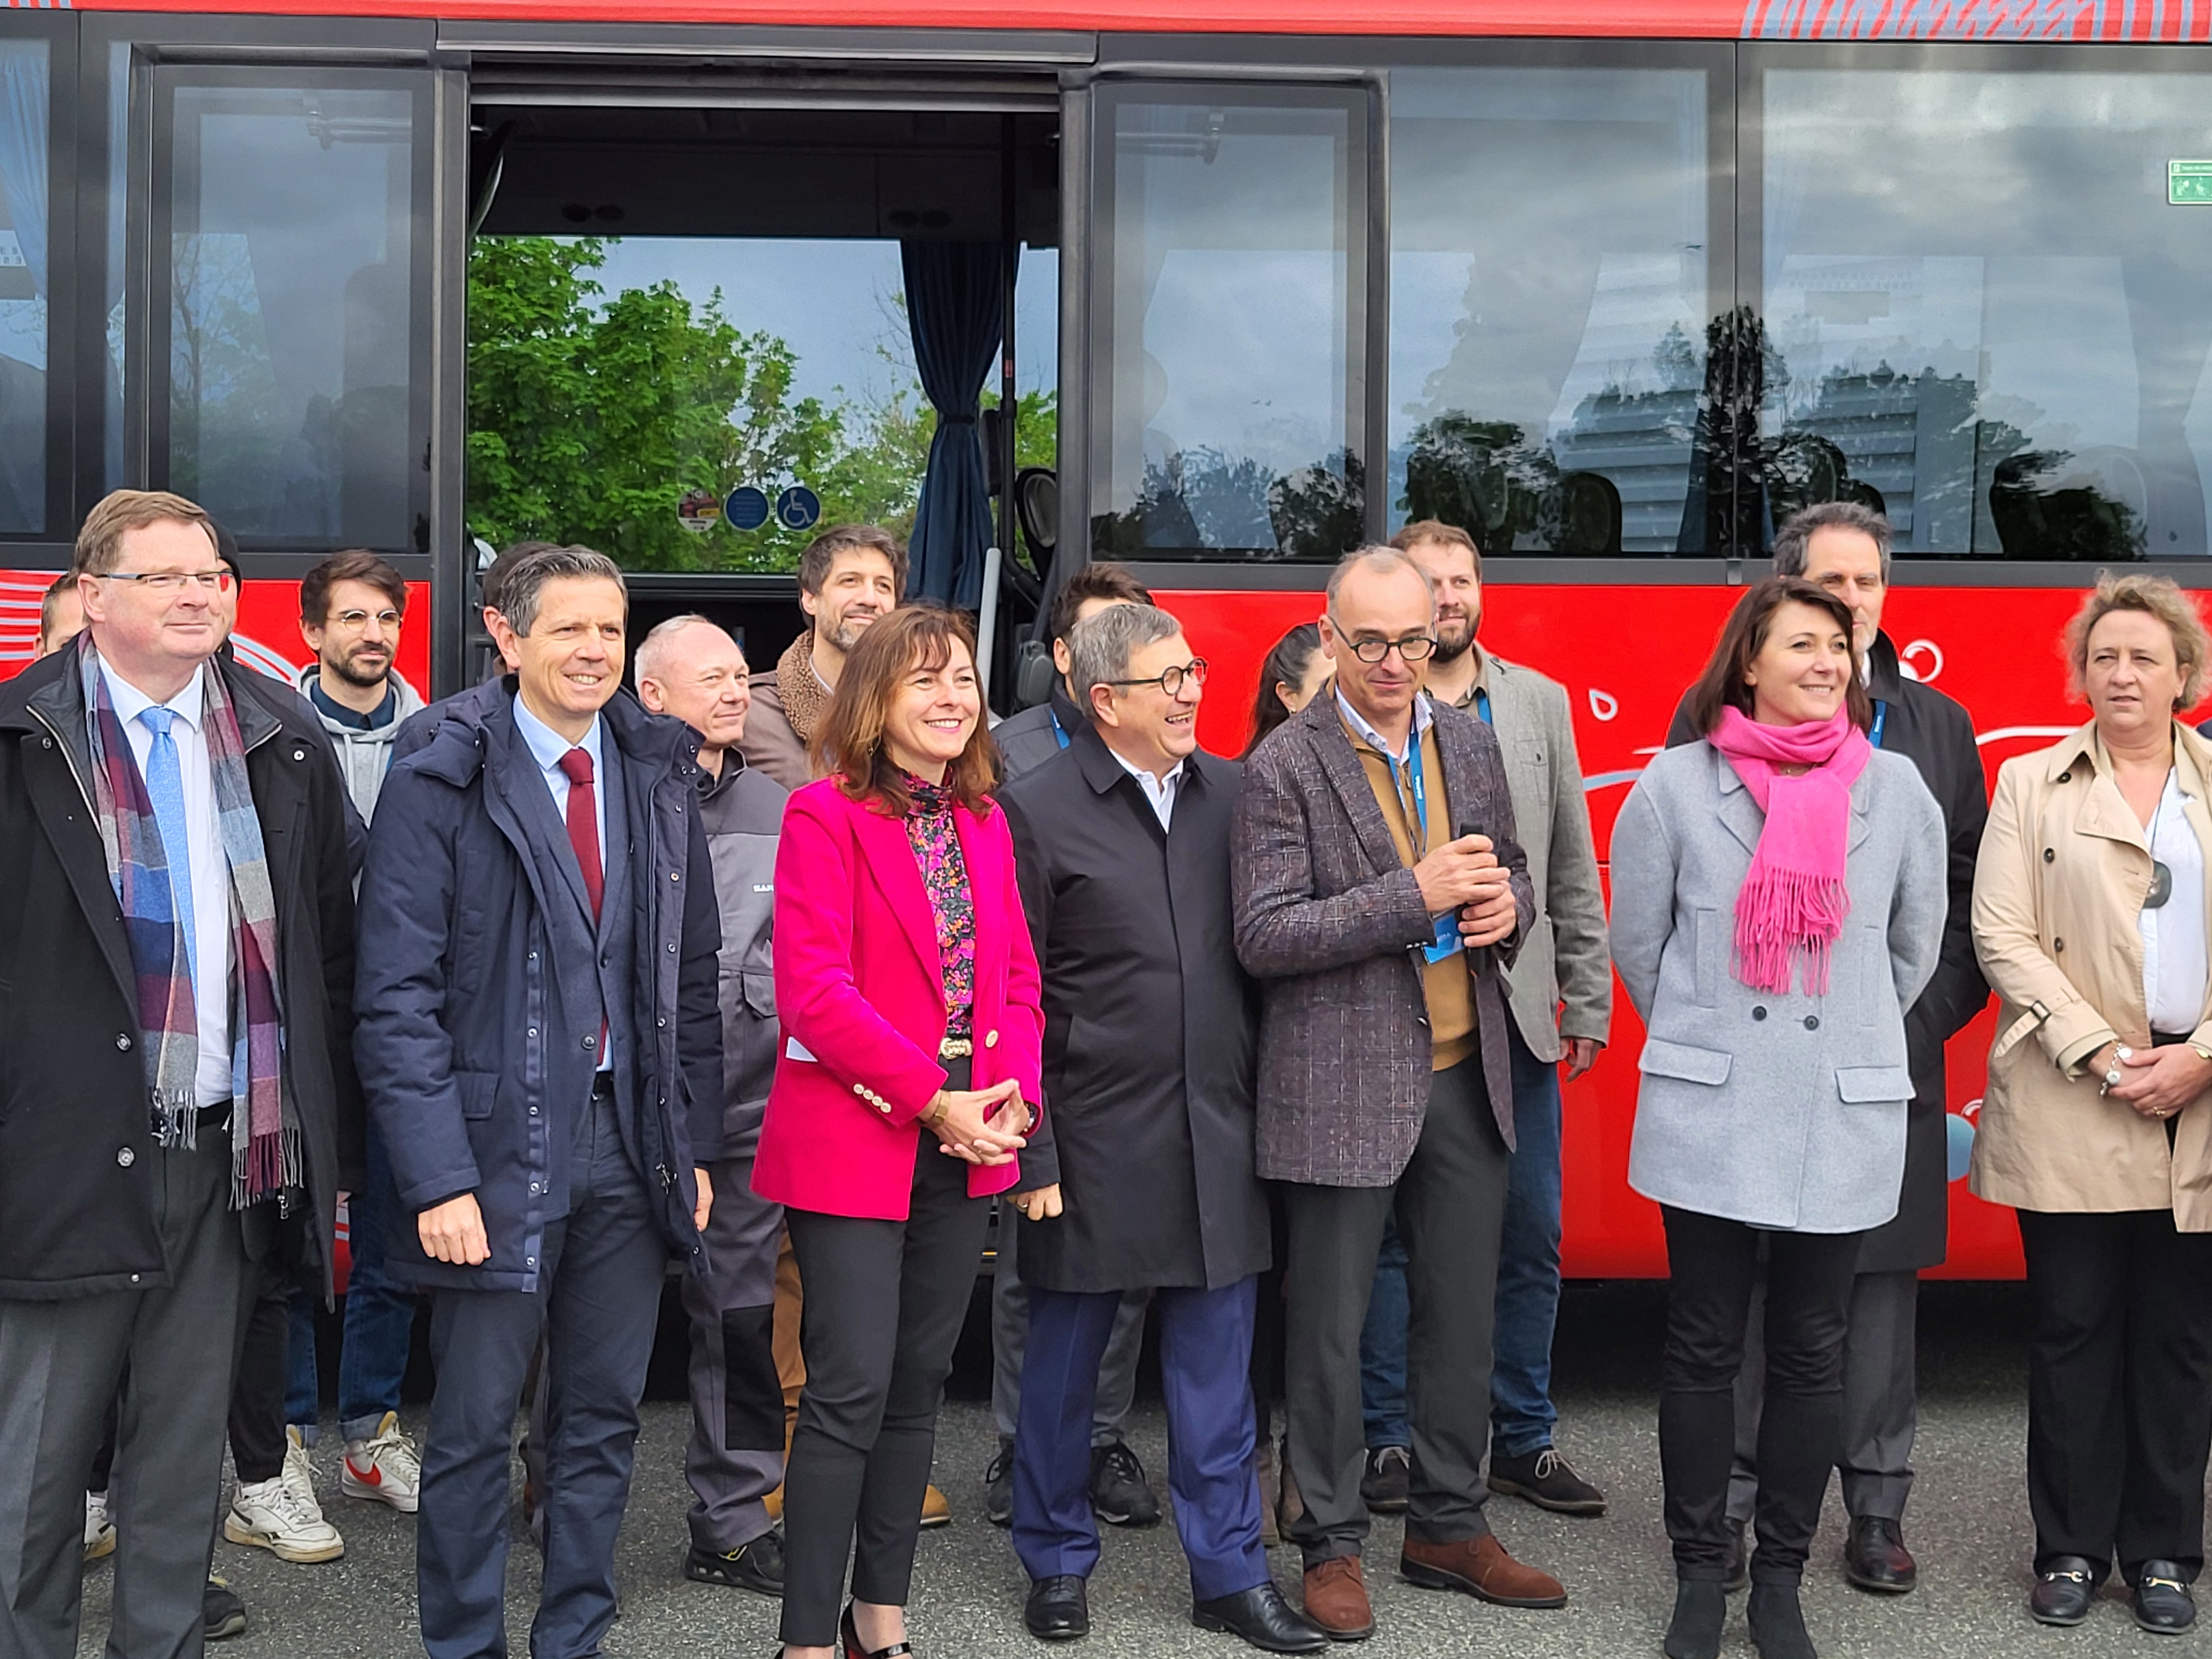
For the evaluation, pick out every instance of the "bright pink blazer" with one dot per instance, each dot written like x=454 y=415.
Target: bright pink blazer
x=861 y=999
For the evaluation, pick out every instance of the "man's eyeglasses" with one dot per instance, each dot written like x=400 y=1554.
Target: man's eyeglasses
x=1412 y=650
x=170 y=581
x=1170 y=680
x=357 y=620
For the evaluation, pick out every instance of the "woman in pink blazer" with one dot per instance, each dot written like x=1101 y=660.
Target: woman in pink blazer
x=907 y=986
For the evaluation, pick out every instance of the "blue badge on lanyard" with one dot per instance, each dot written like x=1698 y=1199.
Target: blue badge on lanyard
x=1881 y=719
x=1446 y=941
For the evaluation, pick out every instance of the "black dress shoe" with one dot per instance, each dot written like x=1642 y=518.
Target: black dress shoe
x=1875 y=1559
x=1700 y=1611
x=2063 y=1592
x=1777 y=1623
x=1736 y=1568
x=759 y=1565
x=999 y=1489
x=1263 y=1618
x=849 y=1636
x=1059 y=1608
x=2162 y=1601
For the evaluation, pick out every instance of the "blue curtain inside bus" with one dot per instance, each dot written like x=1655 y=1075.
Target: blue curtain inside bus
x=956 y=296
x=25 y=115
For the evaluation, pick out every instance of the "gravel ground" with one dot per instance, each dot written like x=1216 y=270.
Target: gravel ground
x=1968 y=1525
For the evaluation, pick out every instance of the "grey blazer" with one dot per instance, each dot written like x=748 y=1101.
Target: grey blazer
x=1564 y=957
x=1331 y=923
x=1786 y=1112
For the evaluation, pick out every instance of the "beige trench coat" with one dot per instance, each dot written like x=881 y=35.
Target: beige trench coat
x=2064 y=869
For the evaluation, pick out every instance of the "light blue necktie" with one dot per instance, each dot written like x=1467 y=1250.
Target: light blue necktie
x=165 y=788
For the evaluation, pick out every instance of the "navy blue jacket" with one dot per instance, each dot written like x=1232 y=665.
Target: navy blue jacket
x=471 y=1076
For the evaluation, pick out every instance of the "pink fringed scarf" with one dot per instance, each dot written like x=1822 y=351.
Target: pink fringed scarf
x=1793 y=902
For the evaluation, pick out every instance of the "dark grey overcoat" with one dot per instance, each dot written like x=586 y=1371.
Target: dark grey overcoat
x=1149 y=1029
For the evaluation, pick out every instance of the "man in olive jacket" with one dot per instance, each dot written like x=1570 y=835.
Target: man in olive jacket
x=130 y=1232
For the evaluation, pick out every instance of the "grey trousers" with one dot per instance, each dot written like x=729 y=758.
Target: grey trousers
x=735 y=1458
x=1010 y=1336
x=171 y=1352
x=1880 y=1401
x=1451 y=1207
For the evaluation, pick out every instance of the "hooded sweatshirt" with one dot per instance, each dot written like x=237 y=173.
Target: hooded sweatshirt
x=364 y=752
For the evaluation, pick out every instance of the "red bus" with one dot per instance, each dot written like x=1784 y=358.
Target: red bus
x=1615 y=283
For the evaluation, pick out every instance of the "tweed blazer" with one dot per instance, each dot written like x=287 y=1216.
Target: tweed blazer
x=1332 y=922
x=1785 y=1110
x=1566 y=960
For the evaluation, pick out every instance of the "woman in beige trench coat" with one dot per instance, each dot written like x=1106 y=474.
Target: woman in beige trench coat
x=2090 y=920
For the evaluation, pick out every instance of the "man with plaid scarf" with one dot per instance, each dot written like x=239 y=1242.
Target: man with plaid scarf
x=176 y=1100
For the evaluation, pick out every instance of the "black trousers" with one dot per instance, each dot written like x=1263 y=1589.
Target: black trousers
x=883 y=1308
x=2120 y=1387
x=1711 y=1264
x=1449 y=1201
x=257 y=1441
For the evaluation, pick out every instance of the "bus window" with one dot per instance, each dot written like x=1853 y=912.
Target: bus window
x=25 y=110
x=1548 y=303
x=1230 y=311
x=1982 y=313
x=292 y=248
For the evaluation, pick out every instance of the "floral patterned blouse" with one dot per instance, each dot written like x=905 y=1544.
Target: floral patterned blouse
x=936 y=842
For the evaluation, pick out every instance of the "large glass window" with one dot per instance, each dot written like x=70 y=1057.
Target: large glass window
x=1983 y=313
x=26 y=110
x=292 y=236
x=1549 y=304
x=1230 y=318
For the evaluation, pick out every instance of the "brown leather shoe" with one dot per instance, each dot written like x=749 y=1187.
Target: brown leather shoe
x=1336 y=1600
x=1480 y=1567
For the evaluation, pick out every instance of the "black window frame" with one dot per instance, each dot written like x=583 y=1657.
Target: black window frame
x=49 y=547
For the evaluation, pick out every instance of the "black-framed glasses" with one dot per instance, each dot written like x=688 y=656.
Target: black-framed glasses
x=169 y=581
x=1417 y=649
x=1170 y=680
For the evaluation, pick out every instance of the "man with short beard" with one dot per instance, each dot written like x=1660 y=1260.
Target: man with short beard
x=351 y=608
x=1559 y=995
x=847 y=577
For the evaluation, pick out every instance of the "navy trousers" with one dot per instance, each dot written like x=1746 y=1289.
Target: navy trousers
x=1205 y=1357
x=596 y=1307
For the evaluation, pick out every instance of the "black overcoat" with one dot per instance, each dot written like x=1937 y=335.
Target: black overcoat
x=79 y=1180
x=1936 y=735
x=1150 y=1028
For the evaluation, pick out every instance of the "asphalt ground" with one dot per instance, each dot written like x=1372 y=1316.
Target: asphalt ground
x=1967 y=1523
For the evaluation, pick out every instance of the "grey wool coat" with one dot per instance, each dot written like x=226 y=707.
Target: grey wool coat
x=1331 y=923
x=1786 y=1112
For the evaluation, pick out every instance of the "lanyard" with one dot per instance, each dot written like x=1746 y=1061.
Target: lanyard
x=1060 y=731
x=1420 y=795
x=1482 y=705
x=1881 y=719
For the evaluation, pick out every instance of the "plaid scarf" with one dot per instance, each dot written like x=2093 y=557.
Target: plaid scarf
x=264 y=1124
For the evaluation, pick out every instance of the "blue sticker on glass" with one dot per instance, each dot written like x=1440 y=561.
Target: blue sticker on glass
x=747 y=508
x=799 y=508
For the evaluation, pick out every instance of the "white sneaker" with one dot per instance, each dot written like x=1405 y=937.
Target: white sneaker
x=299 y=1474
x=98 y=1531
x=277 y=1516
x=384 y=1469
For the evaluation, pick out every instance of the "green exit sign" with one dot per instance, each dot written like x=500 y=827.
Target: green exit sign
x=2189 y=184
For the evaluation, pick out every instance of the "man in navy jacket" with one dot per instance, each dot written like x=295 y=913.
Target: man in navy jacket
x=542 y=1048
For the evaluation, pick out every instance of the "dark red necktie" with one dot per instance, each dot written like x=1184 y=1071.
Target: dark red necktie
x=584 y=825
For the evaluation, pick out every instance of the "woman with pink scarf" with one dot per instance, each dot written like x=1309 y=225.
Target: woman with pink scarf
x=1778 y=904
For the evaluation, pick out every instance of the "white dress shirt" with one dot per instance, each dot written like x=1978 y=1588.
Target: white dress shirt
x=2174 y=957
x=1160 y=791
x=1424 y=718
x=208 y=864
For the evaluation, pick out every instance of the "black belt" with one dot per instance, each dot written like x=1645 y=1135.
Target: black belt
x=2168 y=1039
x=213 y=1117
x=603 y=1086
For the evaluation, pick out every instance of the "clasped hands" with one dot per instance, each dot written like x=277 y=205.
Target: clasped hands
x=1465 y=876
x=962 y=1119
x=2155 y=1082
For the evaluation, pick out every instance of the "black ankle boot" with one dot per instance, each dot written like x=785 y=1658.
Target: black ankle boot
x=1777 y=1623
x=1700 y=1609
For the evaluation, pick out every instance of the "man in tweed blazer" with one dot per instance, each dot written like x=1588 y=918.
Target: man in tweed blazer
x=1377 y=886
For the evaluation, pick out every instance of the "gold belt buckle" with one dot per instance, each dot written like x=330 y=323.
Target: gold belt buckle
x=956 y=1049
